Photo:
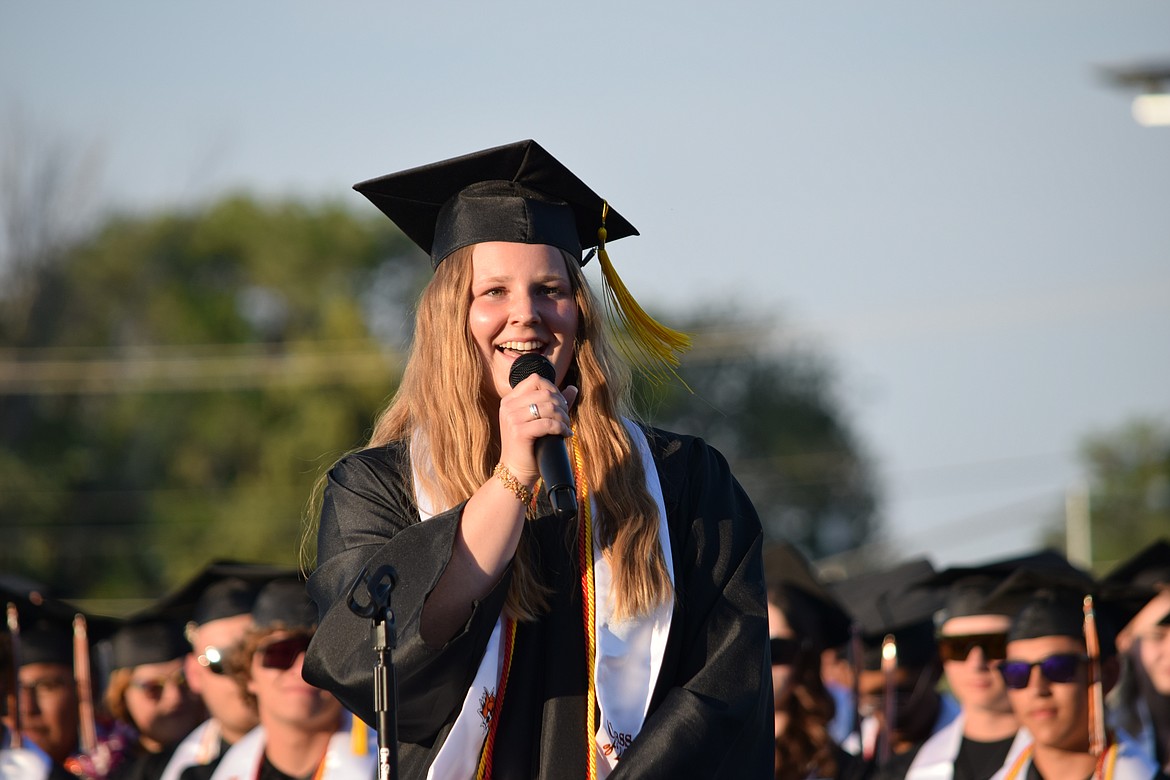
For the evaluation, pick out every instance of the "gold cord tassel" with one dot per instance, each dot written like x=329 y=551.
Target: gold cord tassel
x=653 y=348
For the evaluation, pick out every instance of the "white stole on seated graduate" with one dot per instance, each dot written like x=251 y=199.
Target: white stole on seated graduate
x=629 y=653
x=242 y=760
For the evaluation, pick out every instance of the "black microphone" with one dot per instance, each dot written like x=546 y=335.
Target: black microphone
x=551 y=455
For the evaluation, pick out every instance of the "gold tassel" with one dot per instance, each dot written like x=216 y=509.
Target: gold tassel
x=653 y=348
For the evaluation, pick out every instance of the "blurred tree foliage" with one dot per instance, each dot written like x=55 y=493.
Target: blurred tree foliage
x=204 y=437
x=172 y=386
x=775 y=415
x=1129 y=488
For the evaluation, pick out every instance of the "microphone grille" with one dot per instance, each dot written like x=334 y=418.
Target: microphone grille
x=528 y=364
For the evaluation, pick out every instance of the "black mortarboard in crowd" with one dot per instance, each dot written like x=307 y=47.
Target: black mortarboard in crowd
x=1143 y=577
x=1051 y=602
x=965 y=589
x=46 y=624
x=221 y=589
x=517 y=192
x=284 y=603
x=786 y=568
x=887 y=602
x=147 y=639
x=1149 y=568
x=522 y=194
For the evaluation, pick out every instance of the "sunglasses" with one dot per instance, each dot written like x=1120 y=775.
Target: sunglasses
x=1059 y=668
x=784 y=650
x=958 y=647
x=154 y=689
x=213 y=660
x=283 y=653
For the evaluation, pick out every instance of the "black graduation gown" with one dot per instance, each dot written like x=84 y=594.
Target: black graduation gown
x=710 y=714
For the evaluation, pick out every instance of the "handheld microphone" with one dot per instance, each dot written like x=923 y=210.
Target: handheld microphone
x=551 y=455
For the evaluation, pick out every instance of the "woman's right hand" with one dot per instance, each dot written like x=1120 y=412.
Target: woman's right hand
x=534 y=408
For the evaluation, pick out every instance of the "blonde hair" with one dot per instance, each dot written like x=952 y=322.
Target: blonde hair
x=461 y=448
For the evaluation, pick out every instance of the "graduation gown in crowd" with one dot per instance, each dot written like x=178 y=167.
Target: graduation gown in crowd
x=242 y=760
x=1131 y=764
x=935 y=759
x=710 y=712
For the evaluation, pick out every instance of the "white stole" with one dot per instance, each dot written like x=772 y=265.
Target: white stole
x=629 y=653
x=242 y=760
x=198 y=747
x=935 y=760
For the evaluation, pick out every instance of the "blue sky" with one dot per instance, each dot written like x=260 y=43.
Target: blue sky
x=946 y=197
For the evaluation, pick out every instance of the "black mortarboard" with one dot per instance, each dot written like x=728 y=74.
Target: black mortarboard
x=887 y=602
x=1149 y=568
x=1051 y=602
x=787 y=568
x=150 y=639
x=46 y=624
x=965 y=589
x=285 y=602
x=517 y=192
x=221 y=589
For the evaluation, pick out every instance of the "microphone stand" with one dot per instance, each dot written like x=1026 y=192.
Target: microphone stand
x=383 y=638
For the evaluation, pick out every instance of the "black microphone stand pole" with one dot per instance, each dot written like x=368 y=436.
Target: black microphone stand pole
x=383 y=638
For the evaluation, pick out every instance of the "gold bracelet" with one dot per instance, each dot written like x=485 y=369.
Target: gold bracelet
x=520 y=491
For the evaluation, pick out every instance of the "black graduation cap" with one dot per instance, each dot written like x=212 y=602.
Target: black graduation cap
x=147 y=639
x=517 y=192
x=1051 y=602
x=786 y=568
x=285 y=603
x=221 y=589
x=1150 y=567
x=965 y=589
x=46 y=624
x=886 y=602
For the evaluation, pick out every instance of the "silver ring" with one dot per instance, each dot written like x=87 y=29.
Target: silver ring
x=535 y=411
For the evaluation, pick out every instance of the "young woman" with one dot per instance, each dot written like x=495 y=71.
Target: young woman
x=627 y=638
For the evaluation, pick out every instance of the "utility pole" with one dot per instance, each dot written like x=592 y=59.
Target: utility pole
x=1078 y=530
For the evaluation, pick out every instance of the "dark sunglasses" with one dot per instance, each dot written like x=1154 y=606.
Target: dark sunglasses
x=784 y=650
x=957 y=648
x=1059 y=668
x=283 y=653
x=212 y=659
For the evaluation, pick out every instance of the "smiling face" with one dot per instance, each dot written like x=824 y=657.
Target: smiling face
x=521 y=301
x=974 y=680
x=283 y=698
x=1057 y=714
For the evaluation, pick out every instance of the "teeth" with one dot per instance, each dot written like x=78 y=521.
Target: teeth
x=522 y=346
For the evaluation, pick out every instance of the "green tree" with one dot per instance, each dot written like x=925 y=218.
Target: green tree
x=182 y=379
x=776 y=417
x=1129 y=487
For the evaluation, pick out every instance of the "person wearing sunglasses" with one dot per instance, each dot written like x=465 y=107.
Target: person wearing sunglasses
x=1058 y=666
x=148 y=692
x=218 y=604
x=804 y=621
x=897 y=670
x=303 y=731
x=1140 y=704
x=971 y=640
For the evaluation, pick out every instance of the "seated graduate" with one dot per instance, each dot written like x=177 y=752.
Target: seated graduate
x=804 y=621
x=304 y=732
x=148 y=692
x=54 y=681
x=1060 y=663
x=621 y=632
x=217 y=606
x=972 y=639
x=897 y=685
x=1140 y=704
x=20 y=759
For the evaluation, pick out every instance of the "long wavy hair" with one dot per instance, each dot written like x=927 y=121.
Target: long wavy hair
x=805 y=745
x=461 y=449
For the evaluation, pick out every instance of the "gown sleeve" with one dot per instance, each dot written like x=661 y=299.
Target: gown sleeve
x=369 y=519
x=713 y=715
